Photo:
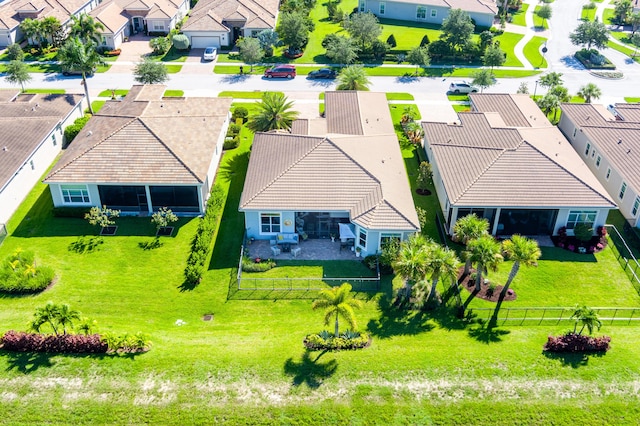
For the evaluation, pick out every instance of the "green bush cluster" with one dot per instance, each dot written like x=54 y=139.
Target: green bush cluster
x=240 y=112
x=127 y=343
x=257 y=264
x=201 y=245
x=232 y=140
x=72 y=131
x=584 y=56
x=20 y=275
x=15 y=52
x=325 y=342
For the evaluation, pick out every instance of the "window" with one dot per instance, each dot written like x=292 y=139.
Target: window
x=636 y=205
x=53 y=138
x=158 y=26
x=362 y=5
x=362 y=238
x=421 y=12
x=381 y=10
x=104 y=41
x=575 y=130
x=576 y=217
x=623 y=188
x=434 y=13
x=269 y=223
x=75 y=194
x=386 y=237
x=33 y=166
x=598 y=159
x=586 y=151
x=593 y=153
x=608 y=173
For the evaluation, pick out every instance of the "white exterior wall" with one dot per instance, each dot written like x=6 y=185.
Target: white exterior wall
x=8 y=37
x=407 y=11
x=601 y=218
x=614 y=183
x=211 y=35
x=215 y=160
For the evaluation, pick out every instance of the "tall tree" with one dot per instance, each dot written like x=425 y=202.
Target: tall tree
x=353 y=77
x=622 y=10
x=551 y=79
x=548 y=103
x=587 y=317
x=589 y=91
x=468 y=228
x=150 y=72
x=79 y=56
x=363 y=28
x=483 y=79
x=457 y=29
x=590 y=34
x=341 y=50
x=274 y=113
x=441 y=263
x=485 y=253
x=32 y=30
x=17 y=72
x=634 y=20
x=86 y=28
x=544 y=12
x=494 y=57
x=419 y=56
x=338 y=302
x=52 y=29
x=250 y=50
x=523 y=251
x=411 y=263
x=293 y=30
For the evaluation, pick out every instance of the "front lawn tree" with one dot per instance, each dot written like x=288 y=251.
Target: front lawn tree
x=419 y=56
x=268 y=39
x=32 y=30
x=102 y=216
x=548 y=103
x=622 y=11
x=457 y=29
x=341 y=50
x=338 y=302
x=551 y=79
x=250 y=51
x=483 y=79
x=523 y=251
x=17 y=72
x=150 y=72
x=589 y=91
x=79 y=56
x=494 y=56
x=293 y=30
x=635 y=40
x=160 y=45
x=485 y=252
x=590 y=34
x=545 y=12
x=353 y=77
x=363 y=28
x=634 y=20
x=274 y=113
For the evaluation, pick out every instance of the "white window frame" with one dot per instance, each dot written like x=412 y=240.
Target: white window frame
x=32 y=164
x=67 y=196
x=608 y=175
x=434 y=13
x=623 y=189
x=381 y=7
x=586 y=152
x=636 y=206
x=271 y=223
x=421 y=12
x=158 y=26
x=581 y=216
x=598 y=161
x=53 y=138
x=389 y=235
x=362 y=237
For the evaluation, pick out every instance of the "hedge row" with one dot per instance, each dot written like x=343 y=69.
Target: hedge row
x=201 y=244
x=572 y=342
x=19 y=341
x=70 y=132
x=316 y=342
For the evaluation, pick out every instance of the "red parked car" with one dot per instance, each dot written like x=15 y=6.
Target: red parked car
x=288 y=71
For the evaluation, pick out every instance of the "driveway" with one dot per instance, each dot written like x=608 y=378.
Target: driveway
x=132 y=51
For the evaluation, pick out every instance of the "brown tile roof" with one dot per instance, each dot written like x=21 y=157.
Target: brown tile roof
x=357 y=113
x=60 y=9
x=255 y=14
x=514 y=110
x=362 y=174
x=111 y=15
x=528 y=166
x=114 y=14
x=480 y=6
x=24 y=122
x=140 y=140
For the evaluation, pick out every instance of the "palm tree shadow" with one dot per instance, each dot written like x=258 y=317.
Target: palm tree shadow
x=572 y=359
x=26 y=362
x=486 y=333
x=395 y=321
x=310 y=371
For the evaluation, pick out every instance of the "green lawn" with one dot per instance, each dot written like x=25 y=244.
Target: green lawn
x=463 y=98
x=97 y=105
x=173 y=69
x=588 y=14
x=391 y=96
x=314 y=52
x=518 y=18
x=461 y=108
x=248 y=366
x=47 y=91
x=173 y=55
x=508 y=42
x=243 y=95
x=108 y=93
x=532 y=52
x=408 y=34
x=538 y=21
x=632 y=100
x=608 y=15
x=173 y=93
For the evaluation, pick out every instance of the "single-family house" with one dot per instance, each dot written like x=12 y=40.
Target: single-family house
x=345 y=169
x=608 y=141
x=143 y=153
x=31 y=135
x=482 y=12
x=504 y=161
x=13 y=12
x=221 y=22
x=122 y=18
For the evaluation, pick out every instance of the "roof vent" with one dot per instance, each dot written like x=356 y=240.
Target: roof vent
x=5 y=149
x=629 y=151
x=619 y=141
x=89 y=133
x=588 y=117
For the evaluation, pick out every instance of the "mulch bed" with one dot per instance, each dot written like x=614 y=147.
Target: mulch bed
x=468 y=283
x=420 y=191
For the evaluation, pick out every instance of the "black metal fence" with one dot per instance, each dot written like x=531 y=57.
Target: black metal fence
x=555 y=315
x=625 y=256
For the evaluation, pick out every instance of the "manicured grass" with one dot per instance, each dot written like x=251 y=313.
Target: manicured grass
x=173 y=69
x=392 y=96
x=108 y=93
x=173 y=55
x=314 y=52
x=461 y=108
x=608 y=15
x=315 y=269
x=508 y=42
x=632 y=100
x=532 y=52
x=623 y=49
x=538 y=21
x=518 y=18
x=408 y=34
x=242 y=95
x=588 y=14
x=97 y=105
x=248 y=366
x=463 y=98
x=48 y=91
x=173 y=93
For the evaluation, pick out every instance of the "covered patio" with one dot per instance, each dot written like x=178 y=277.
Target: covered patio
x=311 y=249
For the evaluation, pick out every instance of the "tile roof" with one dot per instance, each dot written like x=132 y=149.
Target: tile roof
x=24 y=123
x=114 y=14
x=362 y=174
x=255 y=14
x=514 y=109
x=60 y=9
x=616 y=139
x=140 y=140
x=484 y=165
x=357 y=113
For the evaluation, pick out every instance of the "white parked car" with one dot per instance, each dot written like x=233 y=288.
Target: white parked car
x=210 y=53
x=462 y=87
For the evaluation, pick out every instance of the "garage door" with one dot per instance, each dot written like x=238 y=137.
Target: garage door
x=202 y=42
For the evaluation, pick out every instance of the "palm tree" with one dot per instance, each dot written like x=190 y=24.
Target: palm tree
x=66 y=316
x=274 y=113
x=485 y=253
x=353 y=77
x=414 y=132
x=589 y=91
x=51 y=28
x=521 y=250
x=588 y=317
x=442 y=262
x=32 y=30
x=469 y=228
x=338 y=302
x=411 y=263
x=86 y=28
x=79 y=56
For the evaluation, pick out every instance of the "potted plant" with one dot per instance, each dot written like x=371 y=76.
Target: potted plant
x=333 y=238
x=358 y=250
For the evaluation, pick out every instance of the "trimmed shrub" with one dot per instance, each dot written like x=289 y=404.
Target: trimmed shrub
x=257 y=264
x=180 y=42
x=585 y=57
x=231 y=143
x=19 y=341
x=160 y=45
x=127 y=343
x=20 y=275
x=425 y=41
x=70 y=132
x=328 y=342
x=115 y=52
x=391 y=41
x=572 y=342
x=240 y=112
x=15 y=52
x=234 y=129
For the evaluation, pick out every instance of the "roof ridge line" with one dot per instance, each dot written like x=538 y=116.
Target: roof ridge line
x=482 y=172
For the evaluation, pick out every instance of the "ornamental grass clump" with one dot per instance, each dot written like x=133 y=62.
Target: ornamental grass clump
x=19 y=274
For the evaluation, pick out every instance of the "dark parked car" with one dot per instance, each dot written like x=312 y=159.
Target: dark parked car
x=76 y=72
x=322 y=73
x=288 y=71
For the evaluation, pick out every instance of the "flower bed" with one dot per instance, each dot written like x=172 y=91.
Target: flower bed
x=115 y=52
x=571 y=243
x=572 y=342
x=325 y=341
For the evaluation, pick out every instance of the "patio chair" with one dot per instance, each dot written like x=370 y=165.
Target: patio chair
x=275 y=250
x=295 y=251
